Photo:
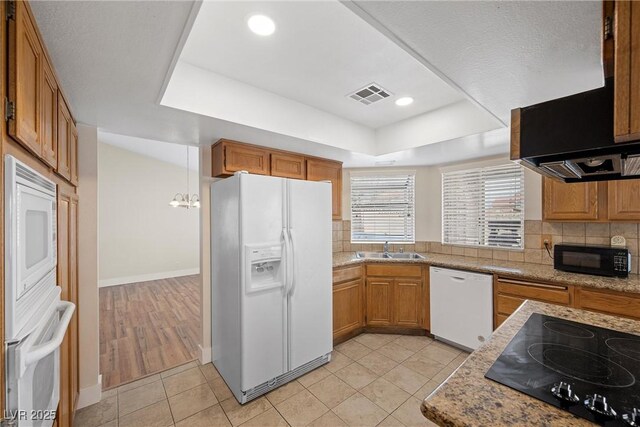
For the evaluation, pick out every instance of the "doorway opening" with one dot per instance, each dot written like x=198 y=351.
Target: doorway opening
x=148 y=252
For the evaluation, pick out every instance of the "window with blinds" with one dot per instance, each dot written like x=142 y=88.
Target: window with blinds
x=484 y=207
x=382 y=208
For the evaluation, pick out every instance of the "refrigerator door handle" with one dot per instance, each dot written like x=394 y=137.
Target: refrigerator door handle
x=293 y=263
x=287 y=260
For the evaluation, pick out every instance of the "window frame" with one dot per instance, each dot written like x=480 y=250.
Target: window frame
x=384 y=174
x=483 y=223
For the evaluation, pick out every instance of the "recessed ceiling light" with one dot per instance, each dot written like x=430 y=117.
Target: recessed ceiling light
x=261 y=25
x=406 y=100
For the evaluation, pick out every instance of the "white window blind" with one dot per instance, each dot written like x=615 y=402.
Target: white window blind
x=484 y=207
x=382 y=208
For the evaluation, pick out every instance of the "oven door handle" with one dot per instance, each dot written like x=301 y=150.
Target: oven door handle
x=40 y=351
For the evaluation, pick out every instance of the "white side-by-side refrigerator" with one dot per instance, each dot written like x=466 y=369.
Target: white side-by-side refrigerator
x=271 y=277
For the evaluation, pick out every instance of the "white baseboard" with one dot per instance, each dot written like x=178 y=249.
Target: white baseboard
x=205 y=354
x=90 y=395
x=146 y=277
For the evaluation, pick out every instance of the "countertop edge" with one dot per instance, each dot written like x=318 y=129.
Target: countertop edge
x=533 y=272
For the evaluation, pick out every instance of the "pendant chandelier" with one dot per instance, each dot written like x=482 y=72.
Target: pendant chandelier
x=186 y=200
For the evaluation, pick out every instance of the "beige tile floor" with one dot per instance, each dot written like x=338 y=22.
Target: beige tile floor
x=373 y=379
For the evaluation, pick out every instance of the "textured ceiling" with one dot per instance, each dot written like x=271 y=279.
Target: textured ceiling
x=112 y=59
x=503 y=54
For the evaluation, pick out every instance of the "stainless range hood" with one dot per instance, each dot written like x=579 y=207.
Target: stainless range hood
x=571 y=139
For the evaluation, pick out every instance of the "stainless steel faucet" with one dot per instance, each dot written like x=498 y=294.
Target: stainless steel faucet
x=385 y=248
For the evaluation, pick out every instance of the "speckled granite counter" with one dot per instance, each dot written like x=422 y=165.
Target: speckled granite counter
x=467 y=398
x=509 y=268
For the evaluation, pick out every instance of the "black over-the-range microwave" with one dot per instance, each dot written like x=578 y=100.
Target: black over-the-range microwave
x=597 y=260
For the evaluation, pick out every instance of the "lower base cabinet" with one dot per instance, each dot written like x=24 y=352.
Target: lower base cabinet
x=67 y=270
x=395 y=295
x=348 y=302
x=608 y=302
x=510 y=293
x=377 y=296
x=379 y=302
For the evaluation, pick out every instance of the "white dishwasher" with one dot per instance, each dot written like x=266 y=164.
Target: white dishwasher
x=461 y=306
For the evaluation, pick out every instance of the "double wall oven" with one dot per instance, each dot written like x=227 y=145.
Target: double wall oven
x=35 y=318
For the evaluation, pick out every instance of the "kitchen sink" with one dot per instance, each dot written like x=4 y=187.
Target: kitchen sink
x=371 y=255
x=389 y=255
x=404 y=255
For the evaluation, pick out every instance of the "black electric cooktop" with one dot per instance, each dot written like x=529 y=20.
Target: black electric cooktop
x=592 y=372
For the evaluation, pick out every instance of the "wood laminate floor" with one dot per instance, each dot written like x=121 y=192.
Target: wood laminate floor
x=147 y=327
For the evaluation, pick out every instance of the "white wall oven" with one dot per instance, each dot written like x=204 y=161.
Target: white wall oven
x=35 y=318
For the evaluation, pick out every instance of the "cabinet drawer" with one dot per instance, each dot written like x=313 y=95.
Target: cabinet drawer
x=507 y=304
x=556 y=294
x=347 y=273
x=617 y=304
x=394 y=270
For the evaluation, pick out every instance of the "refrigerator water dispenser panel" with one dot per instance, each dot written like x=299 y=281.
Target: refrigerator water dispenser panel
x=264 y=263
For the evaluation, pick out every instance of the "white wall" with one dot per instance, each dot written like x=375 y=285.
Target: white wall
x=90 y=387
x=204 y=183
x=429 y=195
x=247 y=105
x=443 y=124
x=141 y=236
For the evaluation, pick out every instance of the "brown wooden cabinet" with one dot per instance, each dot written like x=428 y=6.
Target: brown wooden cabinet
x=348 y=302
x=510 y=293
x=39 y=117
x=73 y=154
x=395 y=295
x=68 y=281
x=627 y=71
x=608 y=302
x=49 y=116
x=65 y=124
x=327 y=170
x=407 y=302
x=569 y=202
x=229 y=156
x=624 y=199
x=379 y=293
x=26 y=59
x=288 y=166
x=591 y=201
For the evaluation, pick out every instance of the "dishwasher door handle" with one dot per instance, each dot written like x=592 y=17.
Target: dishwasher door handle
x=458 y=278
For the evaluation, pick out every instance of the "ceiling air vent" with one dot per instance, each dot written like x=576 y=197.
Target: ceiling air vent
x=370 y=94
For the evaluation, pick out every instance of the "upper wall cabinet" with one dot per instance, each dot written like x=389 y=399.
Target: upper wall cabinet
x=591 y=201
x=65 y=129
x=49 y=124
x=38 y=116
x=288 y=166
x=624 y=200
x=229 y=156
x=325 y=170
x=627 y=71
x=26 y=59
x=569 y=202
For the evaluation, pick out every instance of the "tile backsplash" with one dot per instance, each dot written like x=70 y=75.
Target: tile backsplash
x=534 y=252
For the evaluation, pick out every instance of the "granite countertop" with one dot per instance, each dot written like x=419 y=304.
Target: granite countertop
x=467 y=398
x=508 y=268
